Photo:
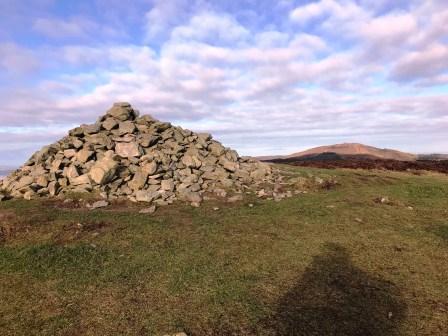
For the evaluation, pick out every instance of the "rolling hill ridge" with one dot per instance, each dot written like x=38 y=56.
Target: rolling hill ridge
x=347 y=150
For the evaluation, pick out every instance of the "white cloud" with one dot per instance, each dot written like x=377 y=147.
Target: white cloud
x=211 y=27
x=306 y=13
x=335 y=14
x=422 y=64
x=15 y=59
x=389 y=28
x=356 y=75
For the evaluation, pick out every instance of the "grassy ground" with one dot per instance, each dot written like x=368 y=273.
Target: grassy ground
x=331 y=262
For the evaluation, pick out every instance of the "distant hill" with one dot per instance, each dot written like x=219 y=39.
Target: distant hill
x=358 y=149
x=347 y=149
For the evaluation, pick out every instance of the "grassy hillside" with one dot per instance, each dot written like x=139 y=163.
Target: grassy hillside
x=329 y=262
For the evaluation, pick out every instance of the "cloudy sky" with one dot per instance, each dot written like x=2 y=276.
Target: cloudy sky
x=263 y=76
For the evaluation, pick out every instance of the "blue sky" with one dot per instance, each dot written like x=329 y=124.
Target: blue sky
x=263 y=76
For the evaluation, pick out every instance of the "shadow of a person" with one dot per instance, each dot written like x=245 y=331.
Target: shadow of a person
x=333 y=297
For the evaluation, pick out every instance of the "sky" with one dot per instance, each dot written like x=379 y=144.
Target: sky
x=263 y=76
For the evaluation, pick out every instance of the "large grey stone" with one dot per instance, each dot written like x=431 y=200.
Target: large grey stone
x=139 y=180
x=146 y=196
x=103 y=171
x=191 y=161
x=127 y=149
x=191 y=196
x=69 y=153
x=53 y=188
x=99 y=139
x=150 y=168
x=126 y=127
x=82 y=179
x=24 y=182
x=167 y=185
x=83 y=155
x=42 y=181
x=230 y=166
x=149 y=210
x=99 y=204
x=71 y=172
x=91 y=129
x=121 y=111
x=109 y=124
x=216 y=149
x=147 y=140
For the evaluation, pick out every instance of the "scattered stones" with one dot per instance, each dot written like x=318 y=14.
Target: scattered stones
x=146 y=195
x=383 y=200
x=236 y=198
x=99 y=204
x=261 y=193
x=191 y=196
x=149 y=210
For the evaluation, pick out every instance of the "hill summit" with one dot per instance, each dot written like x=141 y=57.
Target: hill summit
x=139 y=158
x=356 y=149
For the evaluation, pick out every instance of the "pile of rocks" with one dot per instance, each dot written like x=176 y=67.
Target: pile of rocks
x=124 y=155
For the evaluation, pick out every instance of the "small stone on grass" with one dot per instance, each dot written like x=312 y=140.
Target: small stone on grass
x=149 y=210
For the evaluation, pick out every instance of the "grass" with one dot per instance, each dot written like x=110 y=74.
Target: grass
x=330 y=262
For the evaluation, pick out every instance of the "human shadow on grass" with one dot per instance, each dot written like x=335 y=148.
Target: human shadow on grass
x=334 y=297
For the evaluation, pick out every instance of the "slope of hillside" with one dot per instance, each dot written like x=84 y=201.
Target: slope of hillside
x=357 y=149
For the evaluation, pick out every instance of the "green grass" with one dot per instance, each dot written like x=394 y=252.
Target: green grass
x=330 y=262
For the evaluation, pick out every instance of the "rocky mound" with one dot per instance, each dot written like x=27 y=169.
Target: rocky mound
x=124 y=155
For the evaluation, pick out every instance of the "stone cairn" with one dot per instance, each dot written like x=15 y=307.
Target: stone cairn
x=124 y=155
